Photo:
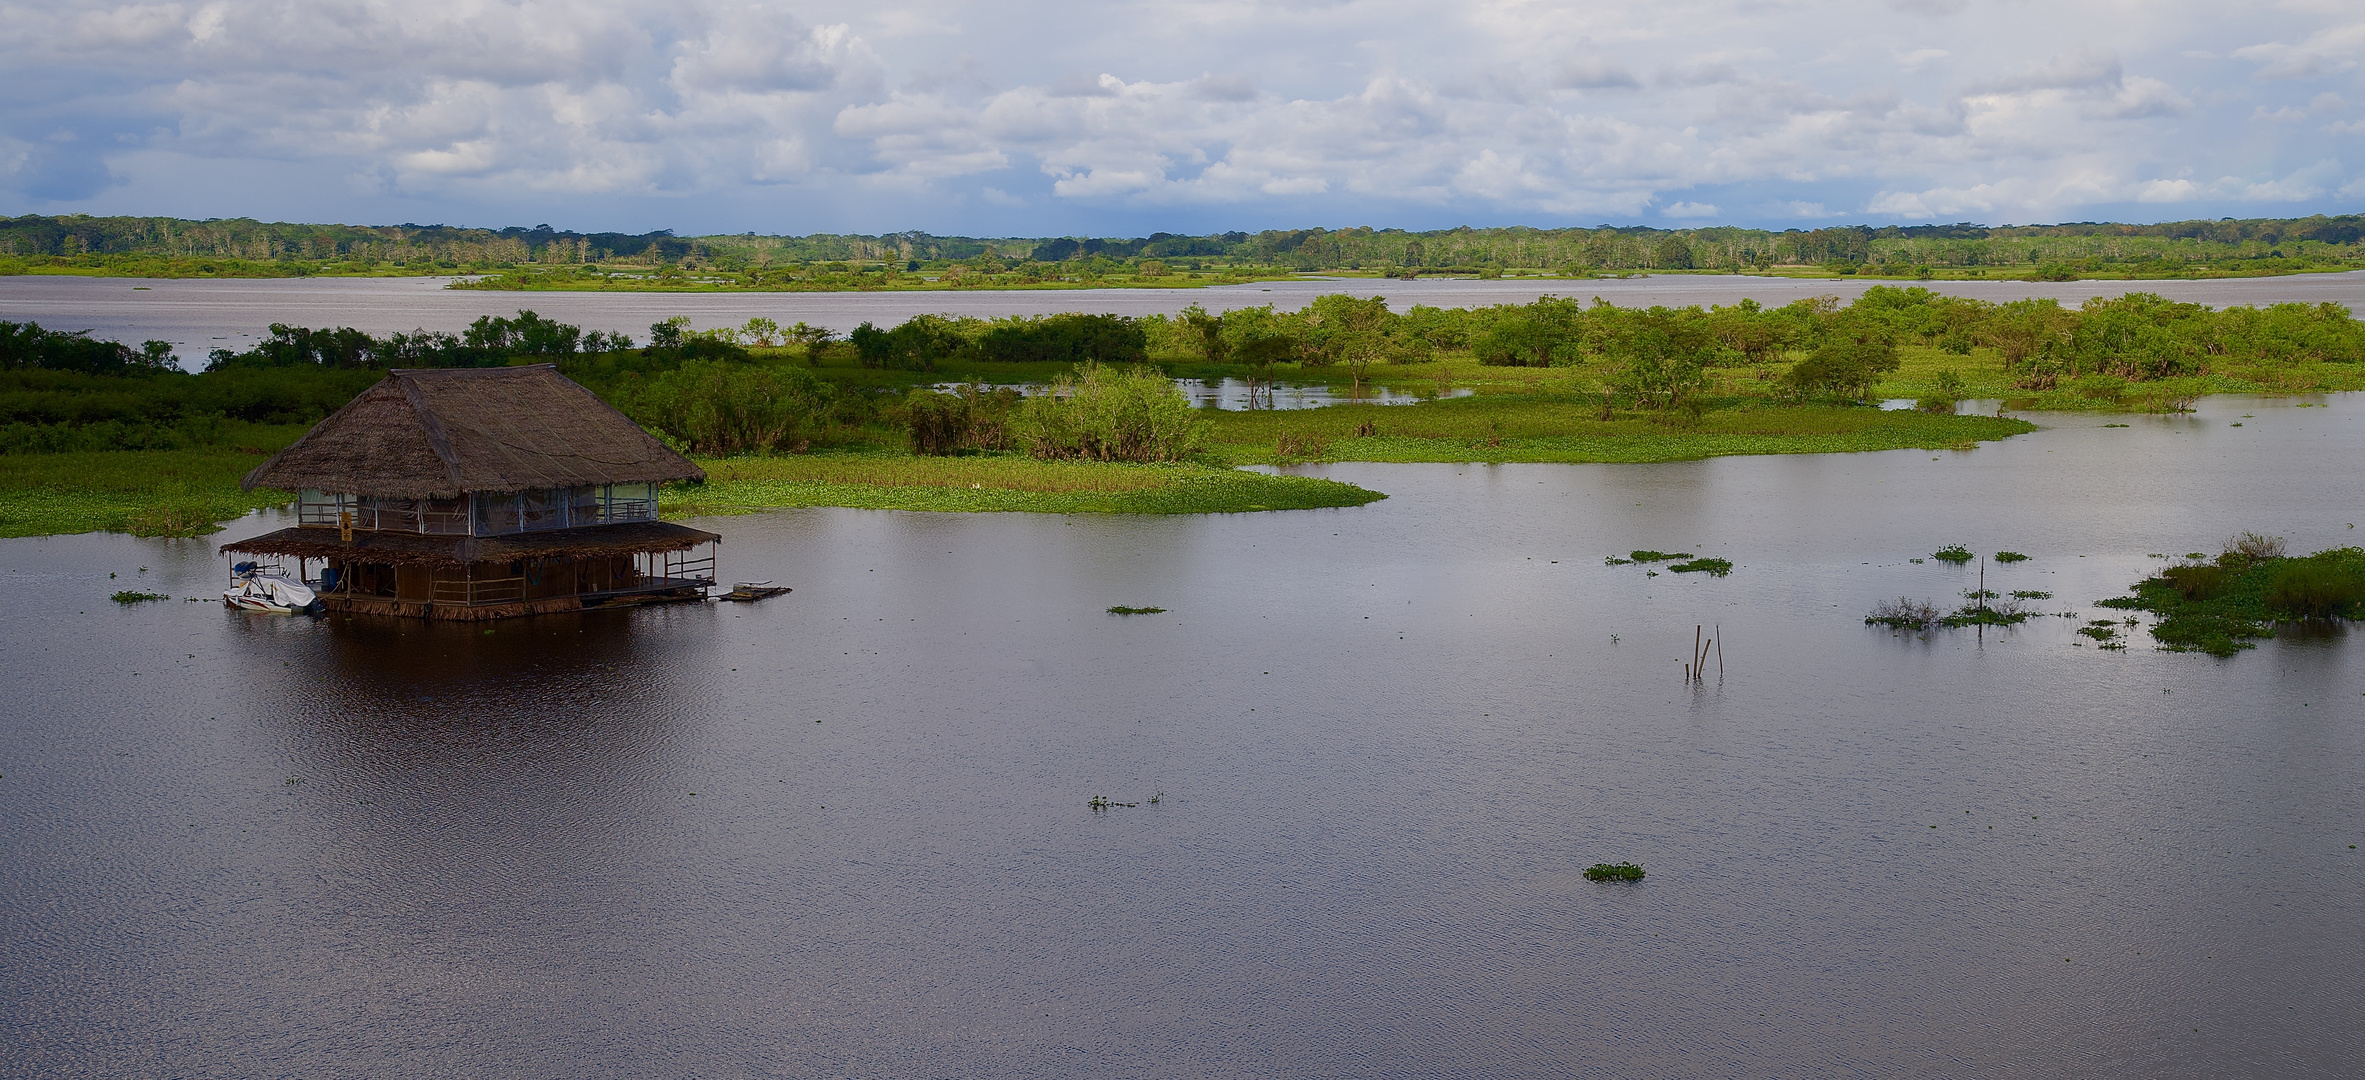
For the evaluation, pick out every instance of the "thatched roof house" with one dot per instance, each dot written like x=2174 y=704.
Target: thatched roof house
x=443 y=433
x=481 y=493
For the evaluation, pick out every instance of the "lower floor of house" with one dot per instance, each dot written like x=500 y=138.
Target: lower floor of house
x=463 y=581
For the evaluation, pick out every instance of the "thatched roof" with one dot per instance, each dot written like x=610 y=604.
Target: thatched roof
x=419 y=549
x=439 y=434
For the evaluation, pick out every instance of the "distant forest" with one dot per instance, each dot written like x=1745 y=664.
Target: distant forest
x=243 y=247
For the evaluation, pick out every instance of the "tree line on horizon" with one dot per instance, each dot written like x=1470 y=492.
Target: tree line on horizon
x=261 y=248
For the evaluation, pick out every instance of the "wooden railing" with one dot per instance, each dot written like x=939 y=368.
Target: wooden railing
x=480 y=591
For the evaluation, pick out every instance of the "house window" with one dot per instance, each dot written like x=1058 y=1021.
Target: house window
x=316 y=507
x=497 y=513
x=628 y=502
x=447 y=516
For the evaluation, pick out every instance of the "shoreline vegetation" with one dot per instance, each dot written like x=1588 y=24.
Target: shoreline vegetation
x=543 y=258
x=1083 y=413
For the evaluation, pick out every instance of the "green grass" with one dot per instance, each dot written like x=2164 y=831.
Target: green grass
x=142 y=492
x=2225 y=606
x=996 y=482
x=1509 y=427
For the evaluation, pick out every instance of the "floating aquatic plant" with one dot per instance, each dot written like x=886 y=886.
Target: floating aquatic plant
x=1624 y=871
x=134 y=596
x=1121 y=609
x=1658 y=556
x=2010 y=557
x=1952 y=553
x=1712 y=566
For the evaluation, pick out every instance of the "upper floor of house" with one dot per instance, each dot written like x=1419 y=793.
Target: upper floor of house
x=482 y=513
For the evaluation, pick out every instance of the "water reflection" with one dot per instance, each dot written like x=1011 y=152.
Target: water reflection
x=845 y=831
x=443 y=764
x=1242 y=395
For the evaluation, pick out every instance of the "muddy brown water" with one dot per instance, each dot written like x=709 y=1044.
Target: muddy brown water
x=846 y=832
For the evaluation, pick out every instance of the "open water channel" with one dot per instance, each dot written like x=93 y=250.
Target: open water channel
x=845 y=832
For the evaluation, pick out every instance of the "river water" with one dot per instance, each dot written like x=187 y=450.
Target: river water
x=201 y=315
x=845 y=832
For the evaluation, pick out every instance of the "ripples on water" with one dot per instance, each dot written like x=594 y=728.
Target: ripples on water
x=844 y=832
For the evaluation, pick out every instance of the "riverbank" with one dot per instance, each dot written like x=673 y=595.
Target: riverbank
x=1010 y=482
x=654 y=278
x=1566 y=428
x=190 y=492
x=141 y=492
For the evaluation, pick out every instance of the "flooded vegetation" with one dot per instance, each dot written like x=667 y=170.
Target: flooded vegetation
x=2251 y=591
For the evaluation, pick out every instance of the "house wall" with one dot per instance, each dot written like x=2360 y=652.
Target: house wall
x=414 y=582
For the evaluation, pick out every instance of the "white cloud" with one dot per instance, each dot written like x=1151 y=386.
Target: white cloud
x=1212 y=111
x=2167 y=191
x=2329 y=50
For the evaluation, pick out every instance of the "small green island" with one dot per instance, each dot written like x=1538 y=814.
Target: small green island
x=2253 y=590
x=1084 y=413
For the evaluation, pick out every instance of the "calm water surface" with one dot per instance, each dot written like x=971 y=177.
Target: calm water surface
x=844 y=832
x=200 y=315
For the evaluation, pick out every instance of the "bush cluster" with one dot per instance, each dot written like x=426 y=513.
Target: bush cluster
x=1104 y=413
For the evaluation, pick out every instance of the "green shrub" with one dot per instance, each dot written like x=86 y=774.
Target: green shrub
x=2199 y=581
x=1103 y=413
x=1945 y=391
x=1065 y=339
x=970 y=418
x=916 y=345
x=718 y=408
x=1845 y=366
x=2311 y=589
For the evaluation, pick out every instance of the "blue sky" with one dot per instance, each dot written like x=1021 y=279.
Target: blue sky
x=1111 y=118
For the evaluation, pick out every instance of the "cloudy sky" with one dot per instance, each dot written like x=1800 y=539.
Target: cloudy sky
x=1033 y=117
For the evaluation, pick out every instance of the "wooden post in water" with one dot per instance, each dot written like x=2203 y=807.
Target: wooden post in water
x=1697 y=670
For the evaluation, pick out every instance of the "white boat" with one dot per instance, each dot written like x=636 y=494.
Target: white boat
x=254 y=588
